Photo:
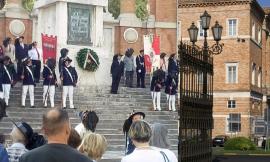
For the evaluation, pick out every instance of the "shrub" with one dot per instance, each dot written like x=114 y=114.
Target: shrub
x=239 y=143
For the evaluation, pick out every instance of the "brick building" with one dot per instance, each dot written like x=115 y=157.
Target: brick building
x=241 y=70
x=15 y=21
x=159 y=23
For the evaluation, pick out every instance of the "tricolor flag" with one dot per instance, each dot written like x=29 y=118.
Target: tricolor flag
x=88 y=59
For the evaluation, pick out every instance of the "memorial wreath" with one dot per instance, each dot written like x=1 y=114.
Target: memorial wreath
x=88 y=59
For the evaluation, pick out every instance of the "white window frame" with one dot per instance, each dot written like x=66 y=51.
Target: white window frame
x=253 y=32
x=228 y=124
x=201 y=31
x=260 y=77
x=253 y=74
x=228 y=105
x=259 y=35
x=228 y=27
x=227 y=65
x=179 y=30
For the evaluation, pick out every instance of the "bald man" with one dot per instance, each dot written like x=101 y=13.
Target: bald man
x=57 y=128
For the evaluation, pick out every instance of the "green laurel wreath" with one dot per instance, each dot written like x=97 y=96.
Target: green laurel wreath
x=81 y=58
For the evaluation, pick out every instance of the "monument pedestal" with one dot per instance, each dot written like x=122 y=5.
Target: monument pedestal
x=77 y=24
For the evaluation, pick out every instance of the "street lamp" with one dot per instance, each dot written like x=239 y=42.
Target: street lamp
x=205 y=18
x=193 y=33
x=216 y=31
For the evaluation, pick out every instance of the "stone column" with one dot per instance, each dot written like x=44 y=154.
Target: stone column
x=61 y=25
x=98 y=26
x=14 y=9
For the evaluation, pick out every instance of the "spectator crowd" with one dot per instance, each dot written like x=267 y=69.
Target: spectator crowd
x=60 y=142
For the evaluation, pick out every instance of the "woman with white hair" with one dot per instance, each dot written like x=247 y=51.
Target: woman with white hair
x=20 y=135
x=159 y=136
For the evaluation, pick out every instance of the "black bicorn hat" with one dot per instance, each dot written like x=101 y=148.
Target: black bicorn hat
x=136 y=113
x=25 y=129
x=67 y=59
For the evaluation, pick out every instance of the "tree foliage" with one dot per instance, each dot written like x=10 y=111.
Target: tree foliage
x=141 y=9
x=114 y=8
x=28 y=4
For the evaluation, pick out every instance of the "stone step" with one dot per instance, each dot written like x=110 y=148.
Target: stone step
x=99 y=110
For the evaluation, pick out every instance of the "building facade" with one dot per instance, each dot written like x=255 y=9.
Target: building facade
x=240 y=70
x=15 y=21
x=162 y=21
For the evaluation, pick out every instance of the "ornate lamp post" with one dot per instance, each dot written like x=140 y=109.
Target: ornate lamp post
x=214 y=49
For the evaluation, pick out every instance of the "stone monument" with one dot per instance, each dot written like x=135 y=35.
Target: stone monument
x=77 y=24
x=15 y=21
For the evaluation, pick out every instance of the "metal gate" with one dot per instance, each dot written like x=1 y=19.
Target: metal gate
x=196 y=104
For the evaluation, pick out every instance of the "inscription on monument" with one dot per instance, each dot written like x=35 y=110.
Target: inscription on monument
x=79 y=24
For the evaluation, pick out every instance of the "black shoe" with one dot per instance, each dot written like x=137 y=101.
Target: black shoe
x=64 y=108
x=23 y=106
x=5 y=115
x=32 y=106
x=143 y=87
x=44 y=106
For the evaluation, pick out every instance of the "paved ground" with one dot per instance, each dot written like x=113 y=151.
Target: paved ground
x=242 y=159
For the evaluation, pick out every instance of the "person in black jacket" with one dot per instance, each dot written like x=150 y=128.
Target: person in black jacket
x=64 y=54
x=50 y=81
x=171 y=90
x=21 y=52
x=69 y=78
x=173 y=68
x=8 y=77
x=140 y=69
x=117 y=71
x=28 y=81
x=157 y=83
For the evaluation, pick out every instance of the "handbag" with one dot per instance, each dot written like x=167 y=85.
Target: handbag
x=166 y=159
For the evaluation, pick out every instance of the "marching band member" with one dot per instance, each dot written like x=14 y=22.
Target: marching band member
x=28 y=81
x=156 y=86
x=64 y=55
x=50 y=81
x=8 y=78
x=69 y=77
x=171 y=90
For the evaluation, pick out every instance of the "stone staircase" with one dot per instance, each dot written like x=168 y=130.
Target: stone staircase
x=112 y=109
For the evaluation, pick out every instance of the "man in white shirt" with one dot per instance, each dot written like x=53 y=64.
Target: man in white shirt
x=35 y=54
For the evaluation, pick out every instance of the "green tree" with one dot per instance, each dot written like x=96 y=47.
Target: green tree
x=114 y=8
x=28 y=4
x=141 y=9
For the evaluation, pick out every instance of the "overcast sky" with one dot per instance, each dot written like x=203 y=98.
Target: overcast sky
x=264 y=3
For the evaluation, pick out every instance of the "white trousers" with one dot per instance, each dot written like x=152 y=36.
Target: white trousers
x=68 y=90
x=1 y=95
x=6 y=92
x=171 y=100
x=48 y=92
x=25 y=89
x=156 y=100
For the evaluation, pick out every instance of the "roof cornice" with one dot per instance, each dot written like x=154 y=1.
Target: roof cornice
x=207 y=3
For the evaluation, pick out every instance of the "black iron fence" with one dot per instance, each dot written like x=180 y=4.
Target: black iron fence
x=196 y=104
